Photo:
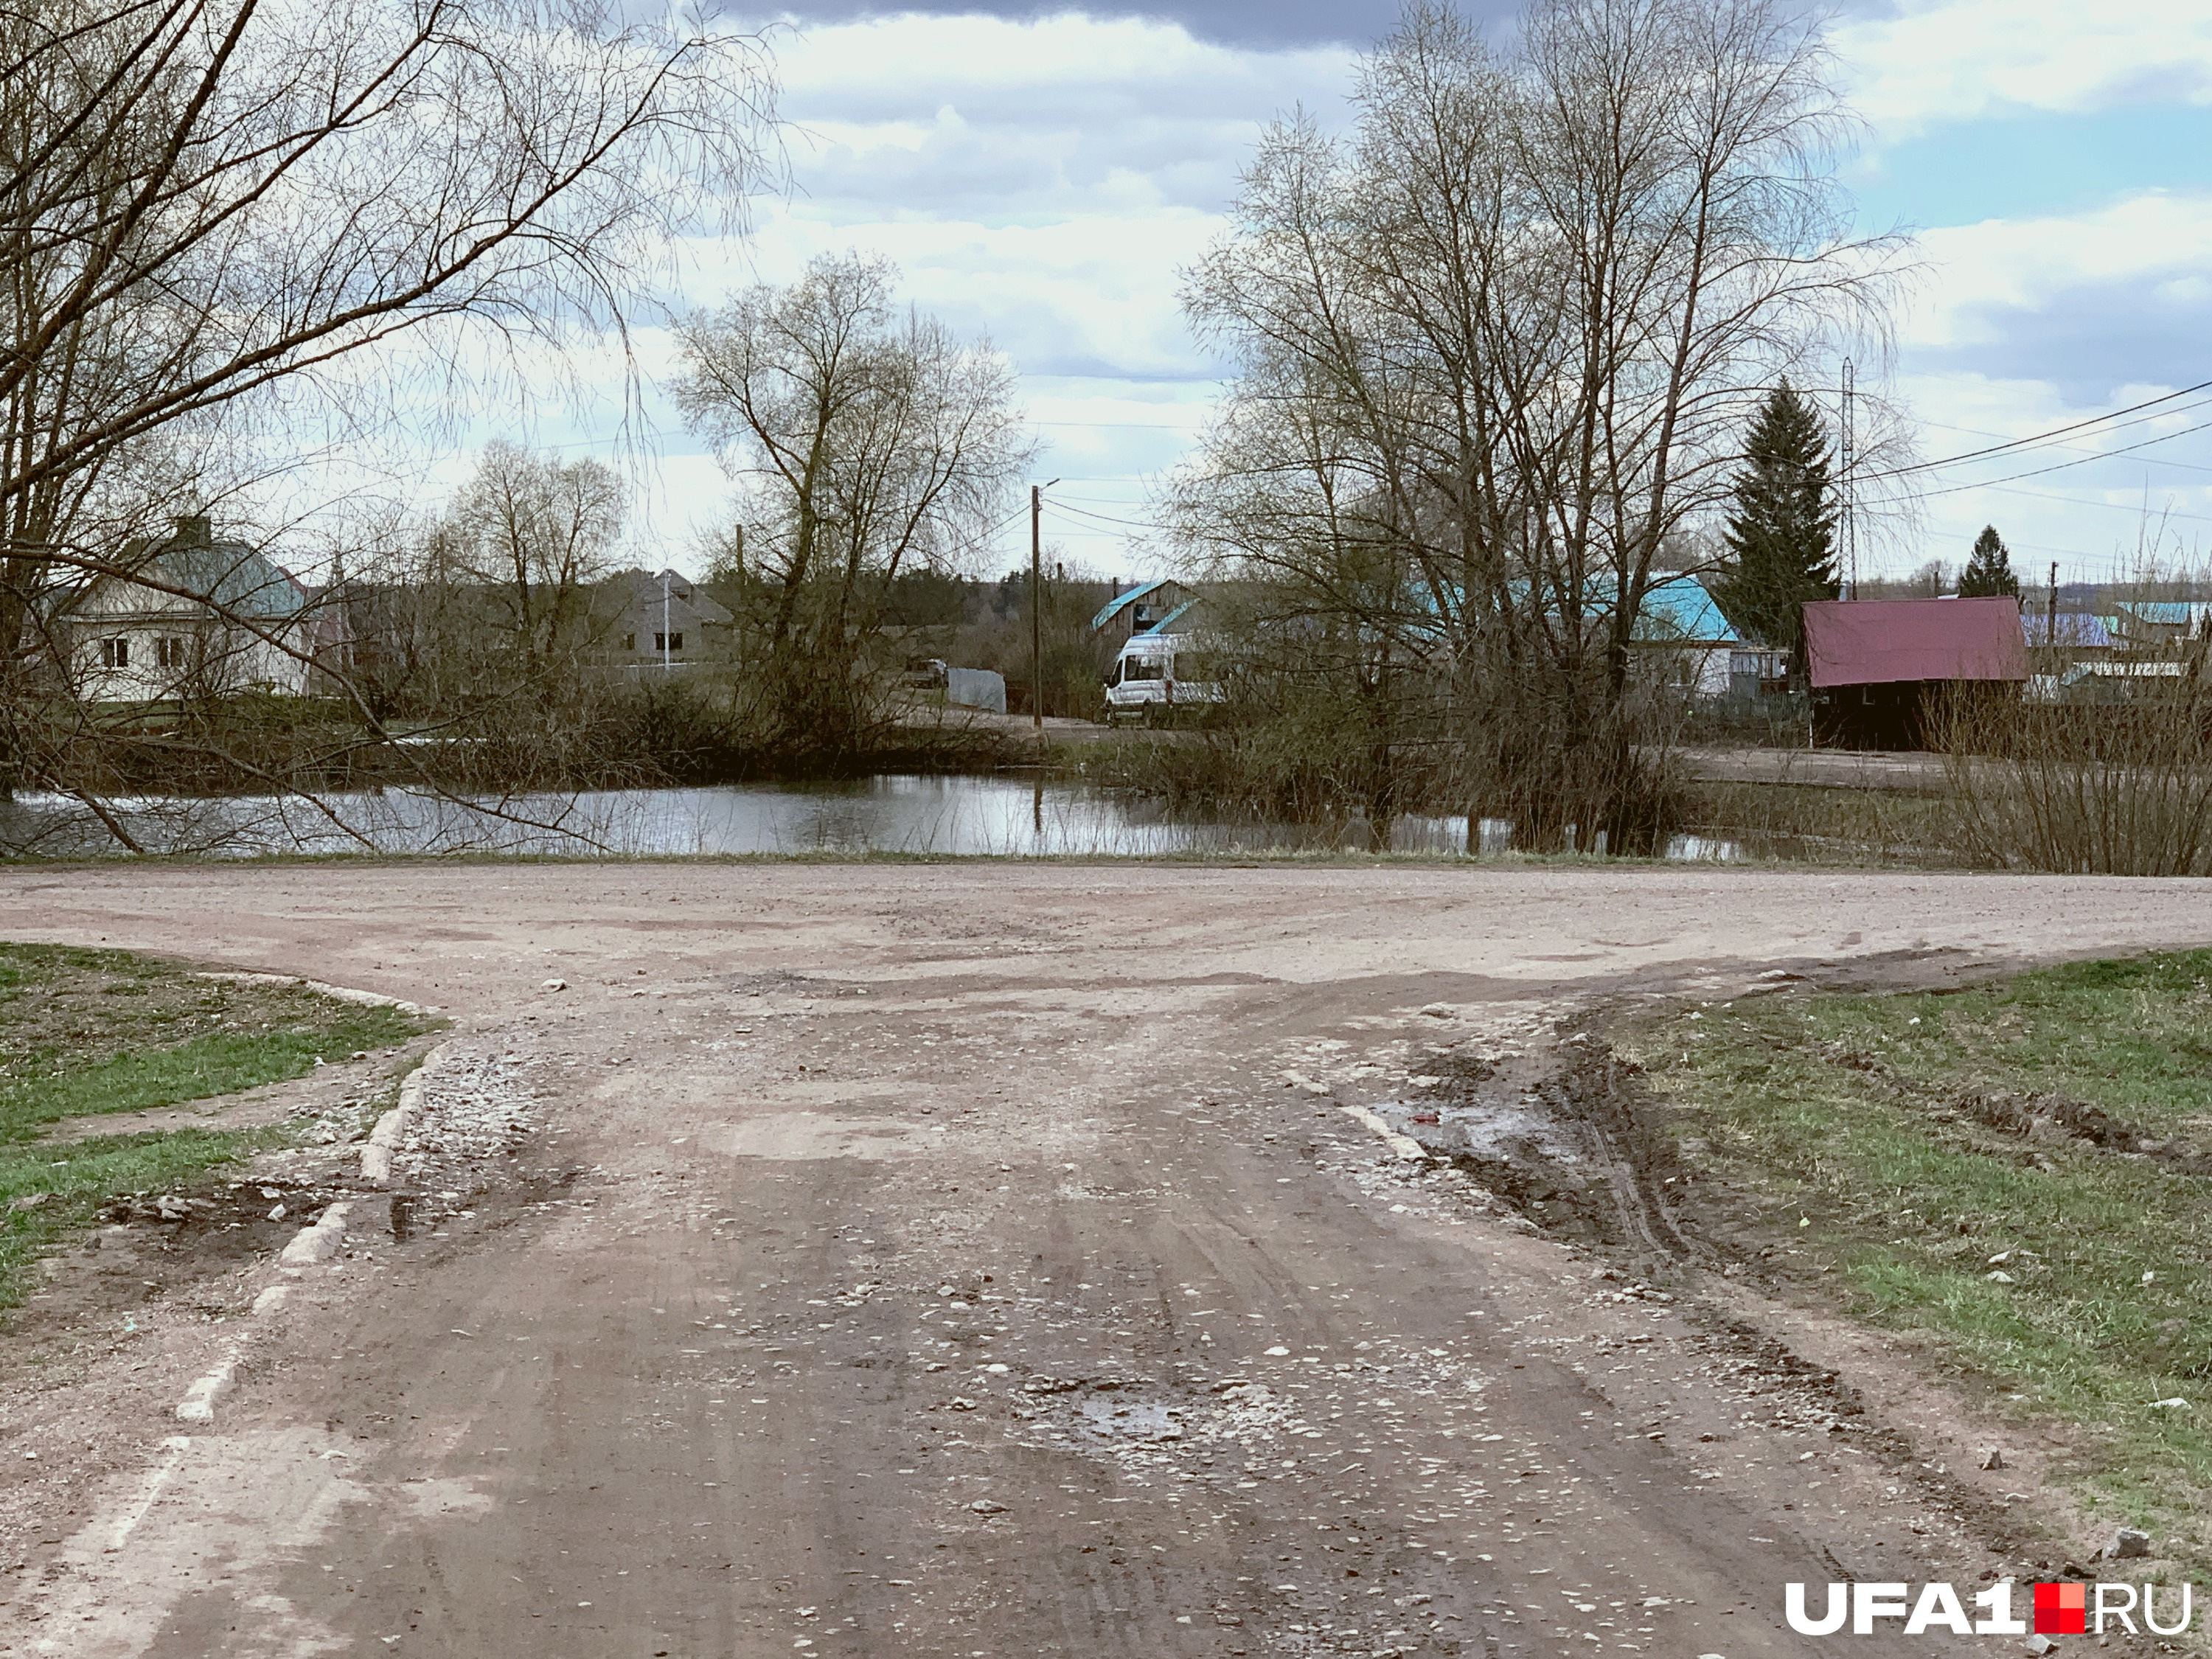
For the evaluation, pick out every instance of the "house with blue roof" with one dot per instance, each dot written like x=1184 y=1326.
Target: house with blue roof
x=1148 y=607
x=1679 y=629
x=2147 y=624
x=1680 y=624
x=195 y=616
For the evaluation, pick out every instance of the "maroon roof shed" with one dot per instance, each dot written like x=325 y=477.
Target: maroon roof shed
x=1887 y=641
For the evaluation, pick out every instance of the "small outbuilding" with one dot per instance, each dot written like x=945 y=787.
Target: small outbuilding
x=1878 y=666
x=1147 y=607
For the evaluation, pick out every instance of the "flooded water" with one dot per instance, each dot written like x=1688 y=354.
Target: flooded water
x=957 y=817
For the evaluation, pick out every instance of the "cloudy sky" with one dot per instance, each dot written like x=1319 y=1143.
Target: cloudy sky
x=1042 y=176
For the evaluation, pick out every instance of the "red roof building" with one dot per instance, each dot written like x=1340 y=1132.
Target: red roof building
x=1875 y=664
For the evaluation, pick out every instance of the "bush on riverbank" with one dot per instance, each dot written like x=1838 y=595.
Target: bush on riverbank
x=2119 y=788
x=1312 y=731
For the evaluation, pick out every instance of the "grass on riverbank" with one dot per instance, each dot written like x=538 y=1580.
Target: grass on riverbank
x=2069 y=1276
x=89 y=1032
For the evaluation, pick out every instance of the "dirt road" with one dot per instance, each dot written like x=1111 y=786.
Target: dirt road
x=982 y=1260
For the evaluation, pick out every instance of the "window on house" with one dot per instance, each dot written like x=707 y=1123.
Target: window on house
x=170 y=651
x=629 y=641
x=668 y=641
x=115 y=653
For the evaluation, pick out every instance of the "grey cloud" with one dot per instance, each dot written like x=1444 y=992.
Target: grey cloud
x=1237 y=22
x=2087 y=340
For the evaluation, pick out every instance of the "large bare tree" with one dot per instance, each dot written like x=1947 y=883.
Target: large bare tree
x=1496 y=346
x=216 y=215
x=538 y=537
x=864 y=440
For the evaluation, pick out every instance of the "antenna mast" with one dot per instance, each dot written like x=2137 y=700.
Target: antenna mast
x=1849 y=471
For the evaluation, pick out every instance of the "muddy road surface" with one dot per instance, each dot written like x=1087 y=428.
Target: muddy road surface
x=1001 y=1260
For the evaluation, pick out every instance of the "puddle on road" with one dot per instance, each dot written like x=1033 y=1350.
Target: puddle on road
x=1546 y=1118
x=1110 y=1418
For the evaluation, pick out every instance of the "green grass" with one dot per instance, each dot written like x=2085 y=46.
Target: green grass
x=1907 y=1200
x=92 y=1032
x=200 y=1068
x=86 y=1033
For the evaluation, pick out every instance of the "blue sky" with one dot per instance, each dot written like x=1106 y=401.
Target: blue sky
x=1042 y=176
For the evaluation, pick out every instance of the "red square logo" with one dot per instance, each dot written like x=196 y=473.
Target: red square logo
x=2061 y=1609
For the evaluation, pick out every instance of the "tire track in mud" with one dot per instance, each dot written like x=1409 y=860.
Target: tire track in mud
x=1535 y=1116
x=1553 y=1123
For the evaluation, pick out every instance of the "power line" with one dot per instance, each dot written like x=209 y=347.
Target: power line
x=2080 y=460
x=2083 y=501
x=977 y=545
x=1104 y=518
x=2092 y=454
x=2044 y=437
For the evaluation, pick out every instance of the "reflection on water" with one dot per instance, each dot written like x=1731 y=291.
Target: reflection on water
x=945 y=816
x=1703 y=849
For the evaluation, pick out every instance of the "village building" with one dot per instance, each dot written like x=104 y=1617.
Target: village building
x=2076 y=634
x=2153 y=625
x=1880 y=667
x=1149 y=607
x=662 y=623
x=1681 y=625
x=195 y=617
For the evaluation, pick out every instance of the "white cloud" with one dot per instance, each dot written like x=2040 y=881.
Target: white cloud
x=1041 y=181
x=1050 y=69
x=1962 y=60
x=1044 y=181
x=1983 y=275
x=2033 y=323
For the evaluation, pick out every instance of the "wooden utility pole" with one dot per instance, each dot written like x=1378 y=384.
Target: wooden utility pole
x=1037 y=607
x=2051 y=619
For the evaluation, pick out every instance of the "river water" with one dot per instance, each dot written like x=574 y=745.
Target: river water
x=954 y=817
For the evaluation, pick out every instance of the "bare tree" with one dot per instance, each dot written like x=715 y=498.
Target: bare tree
x=214 y=211
x=536 y=536
x=863 y=441
x=1496 y=348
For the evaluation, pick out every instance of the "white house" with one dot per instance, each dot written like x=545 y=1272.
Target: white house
x=195 y=617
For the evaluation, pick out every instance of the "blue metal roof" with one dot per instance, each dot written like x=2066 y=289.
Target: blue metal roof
x=1679 y=609
x=2165 y=613
x=2073 y=629
x=1121 y=602
x=1676 y=609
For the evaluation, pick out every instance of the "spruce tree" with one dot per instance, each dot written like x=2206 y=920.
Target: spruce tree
x=1781 y=527
x=1989 y=567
